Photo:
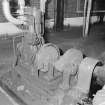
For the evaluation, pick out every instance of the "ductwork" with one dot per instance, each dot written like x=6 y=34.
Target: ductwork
x=7 y=13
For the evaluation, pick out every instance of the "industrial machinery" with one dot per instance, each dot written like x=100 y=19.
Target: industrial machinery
x=99 y=98
x=41 y=76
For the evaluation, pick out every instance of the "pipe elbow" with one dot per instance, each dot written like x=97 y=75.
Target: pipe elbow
x=7 y=14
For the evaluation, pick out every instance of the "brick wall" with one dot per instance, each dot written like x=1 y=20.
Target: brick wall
x=69 y=9
x=35 y=3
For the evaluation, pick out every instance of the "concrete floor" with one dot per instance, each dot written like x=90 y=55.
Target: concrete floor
x=92 y=46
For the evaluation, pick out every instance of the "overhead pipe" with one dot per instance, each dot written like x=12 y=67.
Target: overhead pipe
x=8 y=15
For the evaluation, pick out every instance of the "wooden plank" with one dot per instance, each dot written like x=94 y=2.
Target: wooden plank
x=12 y=94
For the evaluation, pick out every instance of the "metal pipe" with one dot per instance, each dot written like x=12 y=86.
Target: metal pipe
x=21 y=3
x=43 y=5
x=7 y=13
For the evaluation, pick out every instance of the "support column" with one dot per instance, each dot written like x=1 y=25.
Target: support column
x=59 y=18
x=86 y=20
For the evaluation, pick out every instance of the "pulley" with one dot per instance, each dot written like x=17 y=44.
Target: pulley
x=47 y=55
x=85 y=74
